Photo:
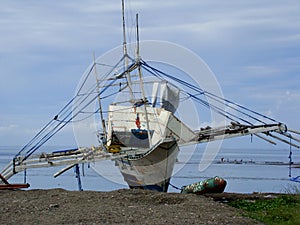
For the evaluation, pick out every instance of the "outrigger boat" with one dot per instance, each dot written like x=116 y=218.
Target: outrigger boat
x=141 y=130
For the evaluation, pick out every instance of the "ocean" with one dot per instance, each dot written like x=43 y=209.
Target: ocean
x=246 y=171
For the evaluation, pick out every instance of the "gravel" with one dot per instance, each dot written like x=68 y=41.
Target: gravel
x=125 y=206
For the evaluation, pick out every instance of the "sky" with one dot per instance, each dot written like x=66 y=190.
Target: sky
x=252 y=46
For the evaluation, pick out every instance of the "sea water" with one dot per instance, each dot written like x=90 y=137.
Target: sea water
x=246 y=171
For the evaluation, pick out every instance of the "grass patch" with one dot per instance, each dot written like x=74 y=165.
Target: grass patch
x=282 y=209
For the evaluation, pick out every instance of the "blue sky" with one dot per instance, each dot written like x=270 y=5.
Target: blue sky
x=252 y=46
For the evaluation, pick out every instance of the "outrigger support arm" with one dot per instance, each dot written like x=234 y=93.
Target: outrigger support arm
x=209 y=134
x=70 y=158
x=58 y=158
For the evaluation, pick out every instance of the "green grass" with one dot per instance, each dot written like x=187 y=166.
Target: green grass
x=283 y=209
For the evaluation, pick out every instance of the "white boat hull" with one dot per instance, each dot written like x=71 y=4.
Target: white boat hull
x=152 y=171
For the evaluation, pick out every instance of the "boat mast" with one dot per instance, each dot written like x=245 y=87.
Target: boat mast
x=141 y=79
x=125 y=54
x=99 y=99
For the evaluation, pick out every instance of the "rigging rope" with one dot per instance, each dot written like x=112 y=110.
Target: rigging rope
x=156 y=72
x=48 y=131
x=82 y=100
x=175 y=187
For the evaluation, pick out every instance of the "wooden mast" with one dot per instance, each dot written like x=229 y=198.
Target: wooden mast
x=141 y=79
x=99 y=99
x=126 y=55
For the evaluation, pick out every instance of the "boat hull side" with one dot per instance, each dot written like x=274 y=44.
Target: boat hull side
x=152 y=171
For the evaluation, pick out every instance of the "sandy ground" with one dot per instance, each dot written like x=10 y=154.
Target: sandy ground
x=58 y=206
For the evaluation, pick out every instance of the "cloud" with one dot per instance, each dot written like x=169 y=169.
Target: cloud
x=40 y=26
x=5 y=129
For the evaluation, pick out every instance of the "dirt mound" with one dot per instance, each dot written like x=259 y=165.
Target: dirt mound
x=58 y=206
